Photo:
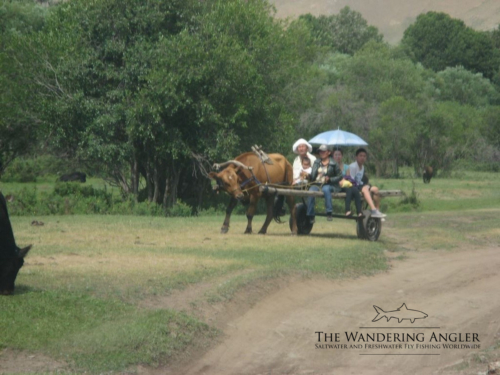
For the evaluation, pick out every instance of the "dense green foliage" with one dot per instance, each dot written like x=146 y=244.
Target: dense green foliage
x=345 y=32
x=409 y=115
x=140 y=90
x=439 y=41
x=75 y=198
x=18 y=116
x=149 y=95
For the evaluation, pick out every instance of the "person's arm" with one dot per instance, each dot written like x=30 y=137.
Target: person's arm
x=297 y=167
x=314 y=171
x=337 y=175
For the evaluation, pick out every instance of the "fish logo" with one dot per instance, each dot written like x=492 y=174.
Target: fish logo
x=400 y=314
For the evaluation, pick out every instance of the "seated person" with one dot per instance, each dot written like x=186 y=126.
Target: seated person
x=348 y=185
x=338 y=155
x=326 y=176
x=303 y=150
x=304 y=172
x=357 y=172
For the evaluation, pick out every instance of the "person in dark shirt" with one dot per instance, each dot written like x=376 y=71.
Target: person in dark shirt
x=325 y=176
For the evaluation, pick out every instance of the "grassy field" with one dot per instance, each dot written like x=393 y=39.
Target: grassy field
x=82 y=297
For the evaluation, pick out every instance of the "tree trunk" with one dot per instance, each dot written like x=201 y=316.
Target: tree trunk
x=156 y=181
x=174 y=186
x=134 y=178
x=165 y=194
x=396 y=168
x=201 y=191
x=149 y=184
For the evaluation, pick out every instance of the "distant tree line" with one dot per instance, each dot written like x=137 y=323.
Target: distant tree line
x=148 y=94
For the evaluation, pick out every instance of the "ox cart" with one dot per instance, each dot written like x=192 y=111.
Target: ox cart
x=367 y=227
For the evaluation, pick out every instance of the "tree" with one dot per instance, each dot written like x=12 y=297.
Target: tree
x=491 y=130
x=438 y=41
x=394 y=135
x=154 y=91
x=22 y=16
x=18 y=121
x=376 y=74
x=448 y=132
x=459 y=85
x=219 y=89
x=346 y=32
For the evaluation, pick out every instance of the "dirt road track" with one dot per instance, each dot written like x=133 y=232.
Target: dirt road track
x=458 y=291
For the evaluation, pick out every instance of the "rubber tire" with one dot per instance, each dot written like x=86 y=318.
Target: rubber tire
x=369 y=228
x=303 y=225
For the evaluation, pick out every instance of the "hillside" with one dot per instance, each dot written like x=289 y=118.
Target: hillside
x=392 y=17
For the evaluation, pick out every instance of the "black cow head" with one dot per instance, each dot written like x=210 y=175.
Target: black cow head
x=9 y=267
x=11 y=256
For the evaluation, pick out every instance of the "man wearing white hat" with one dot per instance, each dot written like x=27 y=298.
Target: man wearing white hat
x=303 y=149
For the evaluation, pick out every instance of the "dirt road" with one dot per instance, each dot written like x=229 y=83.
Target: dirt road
x=458 y=291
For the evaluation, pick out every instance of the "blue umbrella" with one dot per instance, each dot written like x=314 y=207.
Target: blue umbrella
x=337 y=138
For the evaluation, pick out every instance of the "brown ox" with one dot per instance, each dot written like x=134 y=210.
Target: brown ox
x=241 y=179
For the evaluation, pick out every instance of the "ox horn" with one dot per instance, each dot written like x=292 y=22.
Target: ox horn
x=235 y=162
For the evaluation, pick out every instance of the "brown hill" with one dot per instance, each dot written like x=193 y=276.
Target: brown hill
x=392 y=17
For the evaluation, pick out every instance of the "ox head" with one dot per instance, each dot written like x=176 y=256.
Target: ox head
x=9 y=267
x=228 y=180
x=11 y=256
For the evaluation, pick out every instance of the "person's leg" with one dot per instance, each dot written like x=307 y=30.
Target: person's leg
x=327 y=191
x=374 y=211
x=368 y=198
x=311 y=201
x=348 y=196
x=376 y=197
x=357 y=200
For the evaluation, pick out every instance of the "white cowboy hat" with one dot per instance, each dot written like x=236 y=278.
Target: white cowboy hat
x=301 y=141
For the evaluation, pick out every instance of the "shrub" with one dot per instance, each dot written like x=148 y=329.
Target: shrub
x=180 y=209
x=410 y=200
x=74 y=198
x=21 y=170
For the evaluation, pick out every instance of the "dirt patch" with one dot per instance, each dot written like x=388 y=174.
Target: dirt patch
x=12 y=361
x=278 y=334
x=193 y=298
x=221 y=315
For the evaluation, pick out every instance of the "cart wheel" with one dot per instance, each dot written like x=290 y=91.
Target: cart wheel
x=369 y=228
x=303 y=224
x=360 y=231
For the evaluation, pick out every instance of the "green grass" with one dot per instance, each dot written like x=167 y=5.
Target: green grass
x=462 y=191
x=82 y=294
x=443 y=230
x=86 y=279
x=131 y=258
x=95 y=334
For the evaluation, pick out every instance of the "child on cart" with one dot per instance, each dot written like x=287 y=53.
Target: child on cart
x=304 y=172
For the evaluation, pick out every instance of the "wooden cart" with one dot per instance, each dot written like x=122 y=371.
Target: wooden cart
x=367 y=227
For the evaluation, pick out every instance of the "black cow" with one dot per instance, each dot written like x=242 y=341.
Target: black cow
x=11 y=256
x=75 y=176
x=428 y=172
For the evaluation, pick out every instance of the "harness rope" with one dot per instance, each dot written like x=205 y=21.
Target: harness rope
x=268 y=183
